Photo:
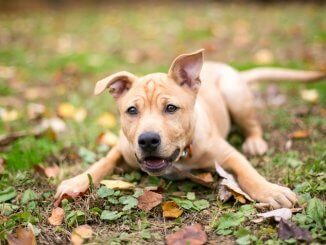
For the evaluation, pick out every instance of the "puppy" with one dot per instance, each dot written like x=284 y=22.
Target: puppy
x=165 y=116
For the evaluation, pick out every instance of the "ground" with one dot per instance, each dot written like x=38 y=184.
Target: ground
x=51 y=57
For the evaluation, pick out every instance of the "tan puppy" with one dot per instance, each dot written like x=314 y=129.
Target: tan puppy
x=162 y=115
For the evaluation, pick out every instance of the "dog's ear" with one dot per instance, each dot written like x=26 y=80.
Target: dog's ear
x=117 y=83
x=185 y=69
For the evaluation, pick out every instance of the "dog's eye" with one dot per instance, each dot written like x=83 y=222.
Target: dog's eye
x=171 y=108
x=132 y=110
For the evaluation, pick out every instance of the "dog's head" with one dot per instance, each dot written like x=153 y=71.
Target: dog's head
x=157 y=110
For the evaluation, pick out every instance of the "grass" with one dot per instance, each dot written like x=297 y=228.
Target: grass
x=65 y=52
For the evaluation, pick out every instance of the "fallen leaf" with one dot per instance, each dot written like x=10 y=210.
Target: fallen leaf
x=57 y=216
x=149 y=200
x=277 y=214
x=264 y=57
x=192 y=234
x=52 y=127
x=7 y=139
x=207 y=177
x=171 y=209
x=9 y=115
x=224 y=194
x=310 y=95
x=81 y=233
x=117 y=184
x=107 y=138
x=230 y=183
x=287 y=230
x=193 y=178
x=22 y=237
x=33 y=93
x=80 y=114
x=35 y=110
x=299 y=134
x=66 y=110
x=107 y=120
x=50 y=171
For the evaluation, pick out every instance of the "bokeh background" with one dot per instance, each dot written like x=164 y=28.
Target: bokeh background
x=53 y=52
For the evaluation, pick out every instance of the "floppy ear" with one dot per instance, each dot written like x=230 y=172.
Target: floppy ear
x=185 y=69
x=117 y=83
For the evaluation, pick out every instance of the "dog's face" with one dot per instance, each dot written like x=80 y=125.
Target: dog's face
x=157 y=110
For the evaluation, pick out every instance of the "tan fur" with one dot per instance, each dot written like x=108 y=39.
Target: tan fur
x=203 y=120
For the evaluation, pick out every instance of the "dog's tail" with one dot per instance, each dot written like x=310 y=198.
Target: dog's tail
x=269 y=74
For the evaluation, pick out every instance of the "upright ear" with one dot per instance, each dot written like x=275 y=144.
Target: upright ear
x=117 y=83
x=185 y=69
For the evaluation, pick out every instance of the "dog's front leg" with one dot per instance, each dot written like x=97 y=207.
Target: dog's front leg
x=250 y=180
x=79 y=184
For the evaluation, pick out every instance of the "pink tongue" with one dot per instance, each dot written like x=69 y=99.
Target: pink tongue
x=155 y=161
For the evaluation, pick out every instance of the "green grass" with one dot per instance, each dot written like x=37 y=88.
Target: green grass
x=67 y=51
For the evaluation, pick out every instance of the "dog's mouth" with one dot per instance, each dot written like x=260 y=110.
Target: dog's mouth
x=156 y=165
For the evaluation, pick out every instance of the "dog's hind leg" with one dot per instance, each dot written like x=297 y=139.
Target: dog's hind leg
x=79 y=184
x=239 y=101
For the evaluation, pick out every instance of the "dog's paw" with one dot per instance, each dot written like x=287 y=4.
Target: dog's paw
x=72 y=188
x=277 y=196
x=254 y=146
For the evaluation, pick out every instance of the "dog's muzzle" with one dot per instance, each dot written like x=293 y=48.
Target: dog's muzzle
x=157 y=165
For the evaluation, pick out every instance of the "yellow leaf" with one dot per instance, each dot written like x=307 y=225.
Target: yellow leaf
x=264 y=57
x=171 y=209
x=107 y=120
x=299 y=134
x=66 y=110
x=310 y=95
x=9 y=115
x=117 y=184
x=80 y=233
x=107 y=138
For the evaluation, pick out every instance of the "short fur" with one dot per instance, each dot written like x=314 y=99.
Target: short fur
x=208 y=95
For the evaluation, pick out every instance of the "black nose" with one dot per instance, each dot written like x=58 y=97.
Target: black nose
x=149 y=141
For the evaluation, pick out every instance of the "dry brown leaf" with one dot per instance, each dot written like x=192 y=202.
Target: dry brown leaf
x=22 y=237
x=50 y=171
x=207 y=177
x=81 y=233
x=171 y=209
x=57 y=216
x=299 y=134
x=7 y=139
x=149 y=200
x=230 y=183
x=107 y=120
x=192 y=234
x=277 y=214
x=117 y=184
x=107 y=138
x=287 y=230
